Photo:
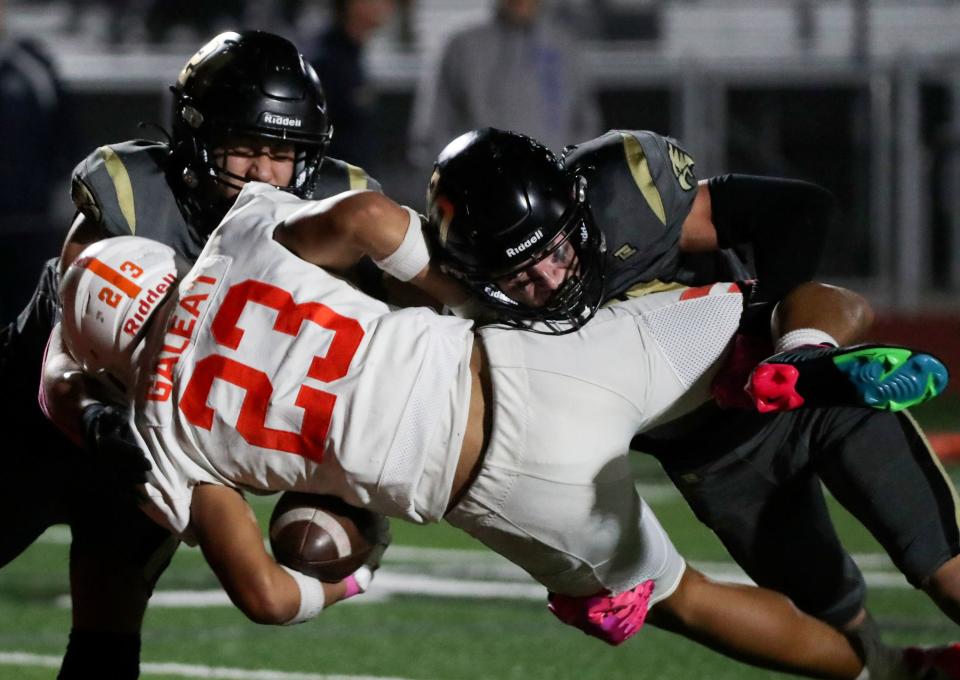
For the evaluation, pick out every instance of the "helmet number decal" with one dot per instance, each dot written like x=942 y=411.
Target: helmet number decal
x=316 y=404
x=110 y=297
x=127 y=287
x=132 y=268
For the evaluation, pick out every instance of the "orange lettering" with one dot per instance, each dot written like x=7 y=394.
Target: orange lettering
x=165 y=367
x=191 y=303
x=176 y=350
x=179 y=327
x=159 y=391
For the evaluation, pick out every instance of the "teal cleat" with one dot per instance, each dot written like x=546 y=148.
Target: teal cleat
x=884 y=377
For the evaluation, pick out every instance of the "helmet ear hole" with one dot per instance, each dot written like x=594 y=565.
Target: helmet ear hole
x=110 y=293
x=190 y=178
x=191 y=116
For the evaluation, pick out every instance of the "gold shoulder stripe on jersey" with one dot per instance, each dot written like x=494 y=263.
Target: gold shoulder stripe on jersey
x=682 y=163
x=121 y=184
x=640 y=169
x=358 y=178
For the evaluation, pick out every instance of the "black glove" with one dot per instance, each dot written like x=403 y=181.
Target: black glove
x=109 y=439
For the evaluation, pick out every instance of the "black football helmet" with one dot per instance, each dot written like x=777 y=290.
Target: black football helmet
x=500 y=202
x=255 y=84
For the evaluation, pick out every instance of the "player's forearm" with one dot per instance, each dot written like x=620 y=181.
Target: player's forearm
x=841 y=313
x=273 y=595
x=785 y=221
x=230 y=538
x=698 y=233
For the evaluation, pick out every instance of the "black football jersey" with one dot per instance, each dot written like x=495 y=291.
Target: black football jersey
x=640 y=189
x=124 y=188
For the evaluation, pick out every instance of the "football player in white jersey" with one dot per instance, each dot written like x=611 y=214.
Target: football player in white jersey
x=266 y=373
x=751 y=477
x=245 y=106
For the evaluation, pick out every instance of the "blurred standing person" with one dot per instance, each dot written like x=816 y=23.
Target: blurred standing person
x=31 y=127
x=520 y=71
x=337 y=54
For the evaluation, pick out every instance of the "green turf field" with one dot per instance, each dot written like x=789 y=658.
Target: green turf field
x=437 y=620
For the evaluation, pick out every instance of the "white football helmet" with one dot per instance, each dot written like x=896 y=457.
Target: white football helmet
x=108 y=294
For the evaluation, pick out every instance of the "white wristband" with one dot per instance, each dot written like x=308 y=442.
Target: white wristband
x=803 y=337
x=312 y=597
x=411 y=256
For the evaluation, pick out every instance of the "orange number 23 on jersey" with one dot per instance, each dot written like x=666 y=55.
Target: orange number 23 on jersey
x=316 y=404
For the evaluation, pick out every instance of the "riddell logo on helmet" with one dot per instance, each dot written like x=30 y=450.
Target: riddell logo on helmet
x=133 y=325
x=285 y=121
x=520 y=247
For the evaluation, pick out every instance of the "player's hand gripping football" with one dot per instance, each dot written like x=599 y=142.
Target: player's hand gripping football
x=324 y=537
x=109 y=439
x=378 y=534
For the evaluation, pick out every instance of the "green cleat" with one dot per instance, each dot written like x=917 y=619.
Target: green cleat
x=884 y=377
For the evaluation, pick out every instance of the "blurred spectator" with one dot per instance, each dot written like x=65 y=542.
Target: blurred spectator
x=406 y=33
x=31 y=140
x=521 y=71
x=204 y=17
x=337 y=54
x=119 y=16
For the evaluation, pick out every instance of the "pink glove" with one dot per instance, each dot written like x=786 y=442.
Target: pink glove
x=611 y=618
x=729 y=382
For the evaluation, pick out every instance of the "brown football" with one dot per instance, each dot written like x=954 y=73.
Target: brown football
x=321 y=536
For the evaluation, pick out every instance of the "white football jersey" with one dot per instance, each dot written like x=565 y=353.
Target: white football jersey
x=267 y=373
x=555 y=493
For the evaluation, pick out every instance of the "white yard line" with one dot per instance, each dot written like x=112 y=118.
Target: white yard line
x=391 y=582
x=388 y=583
x=459 y=573
x=189 y=670
x=481 y=559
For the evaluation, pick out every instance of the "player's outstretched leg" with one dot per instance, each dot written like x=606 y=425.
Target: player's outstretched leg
x=885 y=377
x=755 y=625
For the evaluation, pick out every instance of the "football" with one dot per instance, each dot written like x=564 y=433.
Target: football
x=321 y=536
